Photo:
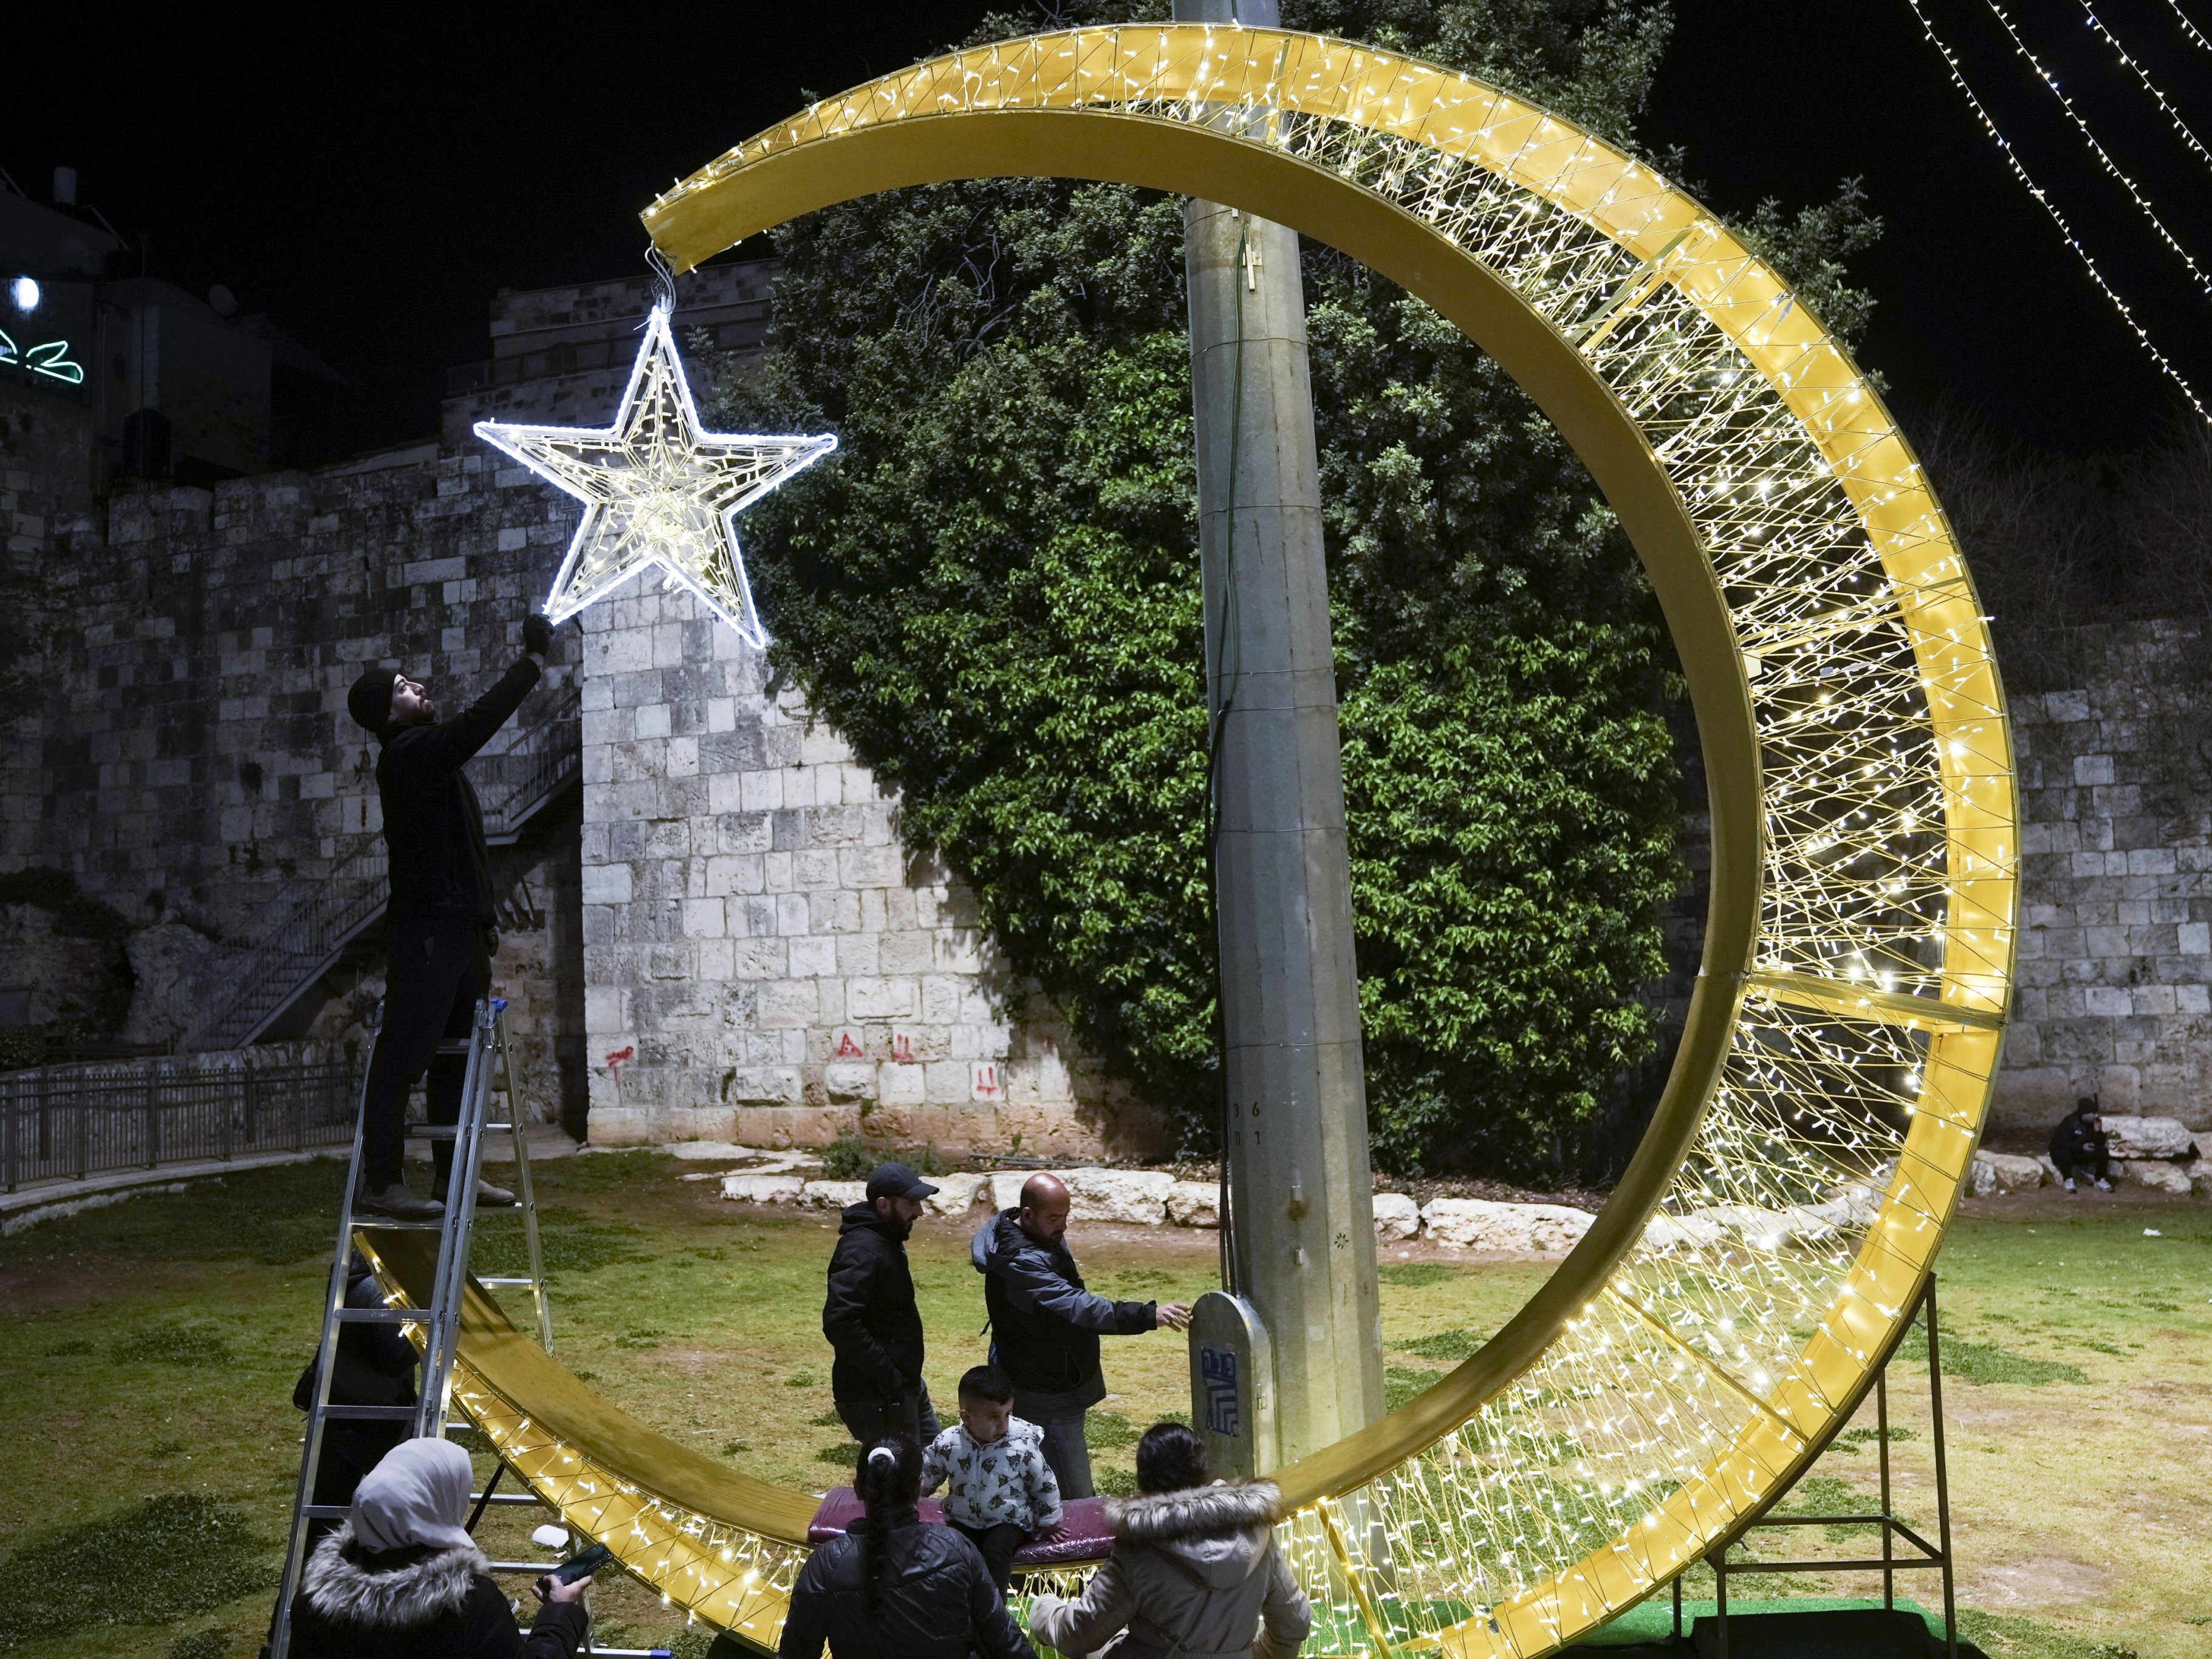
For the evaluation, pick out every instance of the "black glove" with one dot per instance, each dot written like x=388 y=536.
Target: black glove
x=537 y=634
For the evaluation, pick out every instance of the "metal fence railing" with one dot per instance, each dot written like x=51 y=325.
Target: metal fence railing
x=60 y=1122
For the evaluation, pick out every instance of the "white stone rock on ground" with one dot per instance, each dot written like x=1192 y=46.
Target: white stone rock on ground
x=2004 y=1172
x=763 y=1188
x=1139 y=1196
x=832 y=1194
x=2134 y=1138
x=1128 y=1195
x=1194 y=1204
x=956 y=1194
x=2155 y=1173
x=1480 y=1224
x=1396 y=1218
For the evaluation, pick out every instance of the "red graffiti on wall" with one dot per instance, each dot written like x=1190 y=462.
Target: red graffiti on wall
x=846 y=1048
x=615 y=1061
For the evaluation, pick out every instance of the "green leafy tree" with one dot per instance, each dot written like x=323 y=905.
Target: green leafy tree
x=994 y=595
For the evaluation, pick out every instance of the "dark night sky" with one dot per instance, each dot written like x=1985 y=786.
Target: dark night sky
x=372 y=185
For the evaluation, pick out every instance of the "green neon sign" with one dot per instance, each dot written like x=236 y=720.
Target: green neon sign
x=52 y=360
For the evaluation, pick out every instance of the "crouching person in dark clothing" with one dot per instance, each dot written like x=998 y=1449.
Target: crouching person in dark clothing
x=2078 y=1144
x=401 y=1579
x=870 y=1316
x=375 y=1367
x=439 y=916
x=894 y=1587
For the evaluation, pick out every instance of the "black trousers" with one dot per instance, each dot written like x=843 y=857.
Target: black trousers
x=997 y=1545
x=438 y=971
x=2099 y=1164
x=870 y=1420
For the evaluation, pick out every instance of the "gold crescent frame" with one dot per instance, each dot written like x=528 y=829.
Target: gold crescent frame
x=1830 y=1088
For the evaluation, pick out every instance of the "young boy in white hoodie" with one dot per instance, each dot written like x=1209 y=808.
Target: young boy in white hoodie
x=1003 y=1491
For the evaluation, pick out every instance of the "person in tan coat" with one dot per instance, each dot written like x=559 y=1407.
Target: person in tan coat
x=1195 y=1571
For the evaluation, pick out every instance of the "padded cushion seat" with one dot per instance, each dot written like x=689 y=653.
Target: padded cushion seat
x=1082 y=1537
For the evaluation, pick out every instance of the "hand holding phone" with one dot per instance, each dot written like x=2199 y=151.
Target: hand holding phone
x=583 y=1565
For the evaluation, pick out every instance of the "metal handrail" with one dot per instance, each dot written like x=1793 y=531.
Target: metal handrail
x=69 y=1123
x=295 y=935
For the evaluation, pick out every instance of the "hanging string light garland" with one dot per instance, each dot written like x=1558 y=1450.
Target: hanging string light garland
x=2027 y=54
x=2188 y=28
x=2188 y=135
x=2057 y=217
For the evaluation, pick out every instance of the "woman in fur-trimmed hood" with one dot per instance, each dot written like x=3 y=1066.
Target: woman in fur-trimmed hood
x=401 y=1576
x=1195 y=1571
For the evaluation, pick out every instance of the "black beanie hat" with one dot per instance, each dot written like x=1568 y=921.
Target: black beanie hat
x=369 y=702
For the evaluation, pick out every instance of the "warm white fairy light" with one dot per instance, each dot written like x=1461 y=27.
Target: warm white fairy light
x=2187 y=133
x=1802 y=1155
x=2058 y=218
x=2196 y=37
x=660 y=491
x=2080 y=124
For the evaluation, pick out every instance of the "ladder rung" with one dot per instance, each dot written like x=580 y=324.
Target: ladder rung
x=432 y=1131
x=387 y=1225
x=383 y=1316
x=323 y=1511
x=453 y=1045
x=505 y=1283
x=377 y=1414
x=526 y=1566
x=508 y=1498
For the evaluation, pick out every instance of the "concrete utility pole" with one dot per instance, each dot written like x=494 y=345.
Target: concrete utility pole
x=1294 y=1361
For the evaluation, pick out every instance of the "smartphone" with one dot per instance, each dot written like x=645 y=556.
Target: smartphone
x=584 y=1565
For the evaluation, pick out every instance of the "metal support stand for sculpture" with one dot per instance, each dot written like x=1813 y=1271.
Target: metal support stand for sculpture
x=1936 y=1555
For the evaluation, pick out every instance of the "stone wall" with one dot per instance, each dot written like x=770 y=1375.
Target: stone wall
x=763 y=958
x=186 y=754
x=2116 y=946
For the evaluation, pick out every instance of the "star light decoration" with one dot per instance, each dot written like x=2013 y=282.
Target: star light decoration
x=660 y=492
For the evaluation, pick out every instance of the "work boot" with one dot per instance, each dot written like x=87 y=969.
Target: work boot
x=396 y=1203
x=2103 y=1185
x=491 y=1197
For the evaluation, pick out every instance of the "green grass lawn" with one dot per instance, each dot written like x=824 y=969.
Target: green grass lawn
x=147 y=1444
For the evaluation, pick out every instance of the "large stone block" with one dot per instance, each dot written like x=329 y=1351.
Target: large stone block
x=1475 y=1224
x=2131 y=1137
x=1396 y=1217
x=1194 y=1204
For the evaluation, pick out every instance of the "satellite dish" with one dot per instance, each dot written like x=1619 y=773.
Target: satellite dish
x=223 y=302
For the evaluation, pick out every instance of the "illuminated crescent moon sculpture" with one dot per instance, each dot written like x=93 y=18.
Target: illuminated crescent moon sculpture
x=1725 y=1314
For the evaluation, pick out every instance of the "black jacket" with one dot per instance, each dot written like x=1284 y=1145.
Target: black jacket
x=418 y=1604
x=938 y=1601
x=869 y=1314
x=2075 y=1142
x=432 y=823
x=1044 y=1325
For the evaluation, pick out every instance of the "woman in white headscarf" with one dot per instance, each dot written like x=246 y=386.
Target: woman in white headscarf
x=401 y=1576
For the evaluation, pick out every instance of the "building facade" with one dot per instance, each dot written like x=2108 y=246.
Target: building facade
x=711 y=929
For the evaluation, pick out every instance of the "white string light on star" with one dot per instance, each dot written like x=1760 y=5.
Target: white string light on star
x=2166 y=364
x=660 y=491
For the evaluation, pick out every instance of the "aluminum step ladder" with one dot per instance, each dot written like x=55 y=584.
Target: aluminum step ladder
x=435 y=1329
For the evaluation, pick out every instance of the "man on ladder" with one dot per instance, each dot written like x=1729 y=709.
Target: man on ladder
x=439 y=916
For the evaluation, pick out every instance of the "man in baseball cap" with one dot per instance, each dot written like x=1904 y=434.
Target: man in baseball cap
x=870 y=1316
x=440 y=918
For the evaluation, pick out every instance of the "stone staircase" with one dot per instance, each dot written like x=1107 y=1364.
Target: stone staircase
x=296 y=936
